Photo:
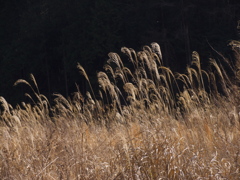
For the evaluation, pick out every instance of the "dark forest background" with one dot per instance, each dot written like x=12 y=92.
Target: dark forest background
x=48 y=37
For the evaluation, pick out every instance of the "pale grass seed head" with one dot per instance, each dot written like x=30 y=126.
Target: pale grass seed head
x=115 y=58
x=82 y=71
x=156 y=49
x=127 y=51
x=4 y=105
x=131 y=90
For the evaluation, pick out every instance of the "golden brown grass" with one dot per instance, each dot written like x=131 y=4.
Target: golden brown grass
x=161 y=125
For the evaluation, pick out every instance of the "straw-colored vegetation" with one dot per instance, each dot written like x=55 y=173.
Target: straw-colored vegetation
x=145 y=122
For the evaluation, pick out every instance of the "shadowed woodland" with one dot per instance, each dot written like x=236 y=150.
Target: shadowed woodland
x=48 y=38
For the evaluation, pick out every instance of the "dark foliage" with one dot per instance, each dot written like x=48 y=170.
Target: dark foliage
x=48 y=38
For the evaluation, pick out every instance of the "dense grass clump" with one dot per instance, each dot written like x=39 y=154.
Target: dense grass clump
x=146 y=122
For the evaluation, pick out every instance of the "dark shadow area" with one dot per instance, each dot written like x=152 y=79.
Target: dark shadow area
x=48 y=38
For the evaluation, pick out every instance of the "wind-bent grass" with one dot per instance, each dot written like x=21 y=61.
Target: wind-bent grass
x=150 y=123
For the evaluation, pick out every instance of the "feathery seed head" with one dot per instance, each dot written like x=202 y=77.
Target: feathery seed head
x=4 y=105
x=126 y=51
x=156 y=49
x=114 y=57
x=82 y=71
x=195 y=56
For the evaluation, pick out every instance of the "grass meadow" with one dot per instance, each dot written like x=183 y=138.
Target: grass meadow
x=144 y=122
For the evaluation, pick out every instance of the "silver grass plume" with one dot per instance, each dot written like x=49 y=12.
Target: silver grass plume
x=156 y=49
x=134 y=55
x=131 y=90
x=114 y=57
x=82 y=71
x=126 y=51
x=234 y=43
x=5 y=105
x=144 y=58
x=103 y=80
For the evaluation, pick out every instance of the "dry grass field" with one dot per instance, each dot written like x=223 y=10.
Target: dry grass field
x=146 y=122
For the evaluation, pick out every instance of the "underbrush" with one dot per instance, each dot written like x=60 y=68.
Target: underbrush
x=147 y=123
